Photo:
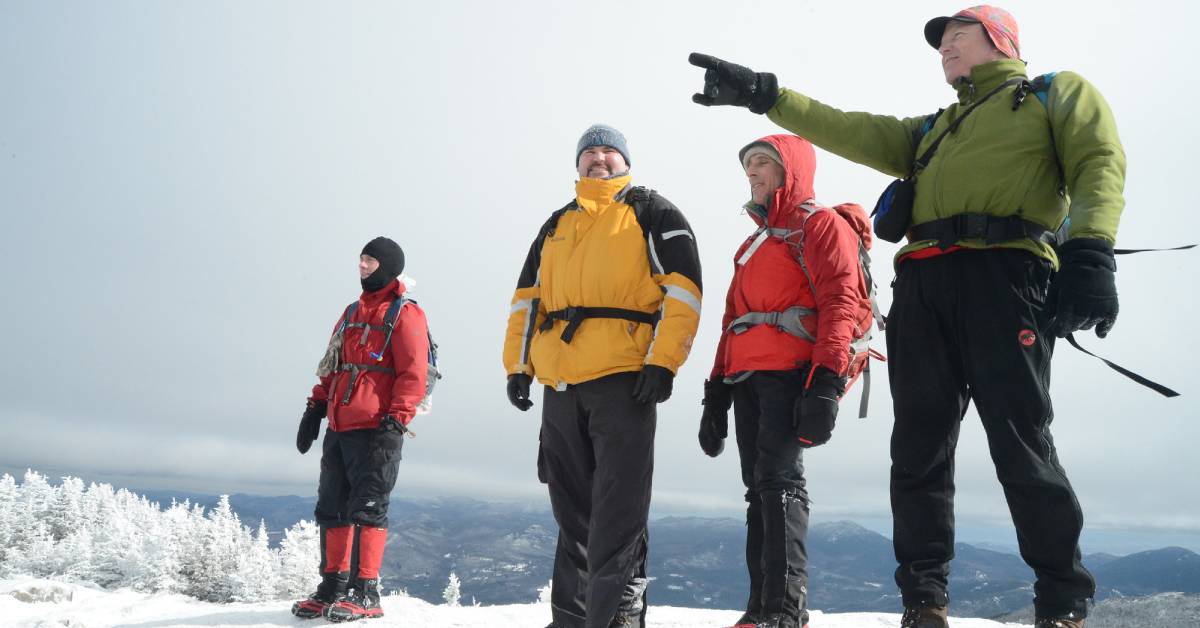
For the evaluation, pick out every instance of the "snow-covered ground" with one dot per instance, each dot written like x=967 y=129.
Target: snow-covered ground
x=36 y=603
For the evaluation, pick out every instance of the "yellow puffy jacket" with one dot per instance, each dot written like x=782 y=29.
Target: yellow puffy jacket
x=611 y=283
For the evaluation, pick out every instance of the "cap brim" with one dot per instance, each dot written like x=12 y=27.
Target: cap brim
x=935 y=28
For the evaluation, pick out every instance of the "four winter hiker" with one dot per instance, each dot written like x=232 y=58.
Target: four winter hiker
x=1010 y=201
x=372 y=380
x=795 y=308
x=603 y=316
x=976 y=305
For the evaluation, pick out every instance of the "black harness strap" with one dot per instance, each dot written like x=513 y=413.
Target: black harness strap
x=1152 y=385
x=389 y=325
x=991 y=229
x=1132 y=251
x=354 y=370
x=574 y=317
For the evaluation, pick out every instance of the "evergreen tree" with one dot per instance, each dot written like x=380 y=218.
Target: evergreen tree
x=299 y=560
x=256 y=570
x=452 y=593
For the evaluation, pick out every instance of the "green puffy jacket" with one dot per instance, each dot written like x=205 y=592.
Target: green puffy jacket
x=999 y=161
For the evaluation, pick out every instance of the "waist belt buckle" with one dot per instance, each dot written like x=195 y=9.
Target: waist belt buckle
x=773 y=320
x=975 y=226
x=570 y=313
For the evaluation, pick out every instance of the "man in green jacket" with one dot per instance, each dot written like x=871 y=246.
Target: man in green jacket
x=975 y=312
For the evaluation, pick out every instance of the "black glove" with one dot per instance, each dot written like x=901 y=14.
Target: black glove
x=310 y=425
x=816 y=409
x=714 y=422
x=728 y=83
x=1084 y=292
x=518 y=391
x=653 y=384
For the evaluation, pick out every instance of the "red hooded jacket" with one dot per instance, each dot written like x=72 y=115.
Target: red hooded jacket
x=773 y=280
x=377 y=394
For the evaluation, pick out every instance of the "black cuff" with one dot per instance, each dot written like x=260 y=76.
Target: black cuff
x=766 y=92
x=826 y=381
x=1087 y=251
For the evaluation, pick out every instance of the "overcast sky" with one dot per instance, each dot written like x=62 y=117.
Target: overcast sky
x=186 y=187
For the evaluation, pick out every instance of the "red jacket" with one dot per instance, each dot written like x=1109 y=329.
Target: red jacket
x=377 y=394
x=772 y=279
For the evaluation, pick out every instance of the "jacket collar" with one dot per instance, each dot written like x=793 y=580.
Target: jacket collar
x=595 y=195
x=987 y=76
x=386 y=293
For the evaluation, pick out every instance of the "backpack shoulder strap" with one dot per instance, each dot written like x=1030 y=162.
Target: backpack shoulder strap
x=350 y=309
x=926 y=126
x=641 y=199
x=393 y=312
x=1040 y=86
x=551 y=224
x=389 y=324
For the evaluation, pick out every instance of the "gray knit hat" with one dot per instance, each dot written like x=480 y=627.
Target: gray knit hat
x=758 y=147
x=602 y=135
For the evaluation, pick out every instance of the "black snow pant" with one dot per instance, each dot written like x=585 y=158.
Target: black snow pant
x=963 y=326
x=597 y=456
x=777 y=513
x=358 y=472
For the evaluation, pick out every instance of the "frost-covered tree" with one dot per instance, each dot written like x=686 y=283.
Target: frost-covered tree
x=299 y=560
x=224 y=538
x=8 y=515
x=115 y=538
x=543 y=596
x=162 y=569
x=257 y=568
x=453 y=592
x=66 y=516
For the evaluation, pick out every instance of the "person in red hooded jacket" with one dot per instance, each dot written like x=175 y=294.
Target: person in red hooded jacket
x=797 y=300
x=371 y=382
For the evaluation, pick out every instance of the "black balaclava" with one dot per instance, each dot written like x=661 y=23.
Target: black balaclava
x=391 y=263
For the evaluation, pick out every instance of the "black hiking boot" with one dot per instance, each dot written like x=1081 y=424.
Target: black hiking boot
x=362 y=602
x=924 y=616
x=332 y=587
x=1060 y=622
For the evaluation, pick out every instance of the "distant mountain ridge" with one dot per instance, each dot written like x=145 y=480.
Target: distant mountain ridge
x=504 y=553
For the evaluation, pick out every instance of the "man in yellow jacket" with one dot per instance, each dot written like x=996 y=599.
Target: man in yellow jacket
x=604 y=314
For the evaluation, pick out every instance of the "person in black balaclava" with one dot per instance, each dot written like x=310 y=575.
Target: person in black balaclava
x=371 y=381
x=390 y=260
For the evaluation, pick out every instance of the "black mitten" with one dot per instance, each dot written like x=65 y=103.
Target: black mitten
x=310 y=425
x=1084 y=292
x=714 y=421
x=728 y=83
x=518 y=391
x=816 y=409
